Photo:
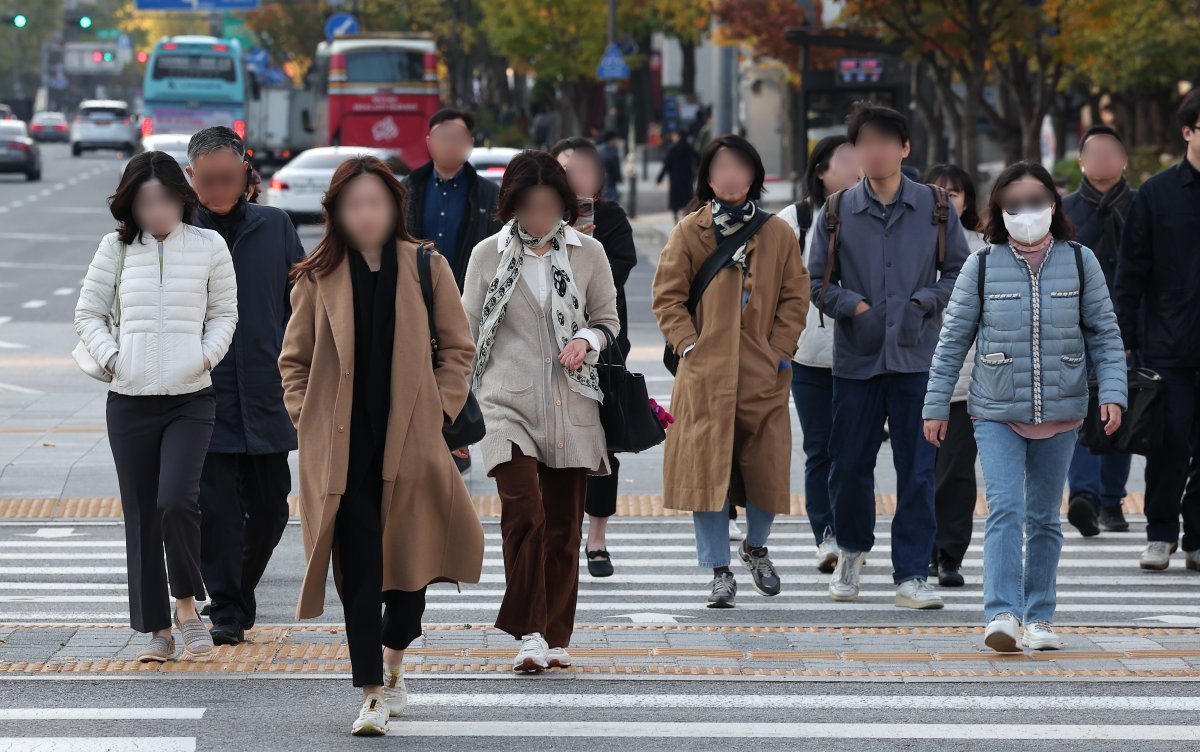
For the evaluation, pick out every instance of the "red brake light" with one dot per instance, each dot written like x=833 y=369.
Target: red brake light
x=239 y=127
x=126 y=121
x=60 y=127
x=35 y=127
x=221 y=48
x=19 y=146
x=170 y=46
x=278 y=185
x=147 y=126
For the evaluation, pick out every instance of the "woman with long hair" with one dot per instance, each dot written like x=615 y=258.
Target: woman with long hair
x=607 y=223
x=538 y=294
x=379 y=493
x=832 y=167
x=1036 y=305
x=955 y=488
x=171 y=286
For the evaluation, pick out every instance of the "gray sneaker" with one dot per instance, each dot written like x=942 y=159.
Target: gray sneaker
x=843 y=585
x=197 y=640
x=724 y=591
x=762 y=570
x=917 y=593
x=1157 y=555
x=159 y=650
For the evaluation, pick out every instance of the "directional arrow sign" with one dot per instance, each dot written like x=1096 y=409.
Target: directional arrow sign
x=648 y=618
x=340 y=24
x=54 y=532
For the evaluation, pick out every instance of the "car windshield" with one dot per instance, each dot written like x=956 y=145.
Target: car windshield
x=102 y=114
x=11 y=128
x=321 y=160
x=49 y=117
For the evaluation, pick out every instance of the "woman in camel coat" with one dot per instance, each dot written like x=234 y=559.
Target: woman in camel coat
x=379 y=492
x=732 y=438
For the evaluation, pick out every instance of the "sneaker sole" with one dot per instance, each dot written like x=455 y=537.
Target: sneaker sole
x=189 y=653
x=919 y=605
x=1192 y=565
x=842 y=598
x=560 y=664
x=529 y=666
x=369 y=729
x=1155 y=566
x=1002 y=642
x=155 y=658
x=1042 y=645
x=721 y=604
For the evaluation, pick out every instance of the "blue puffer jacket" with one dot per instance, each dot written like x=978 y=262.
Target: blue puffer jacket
x=1034 y=323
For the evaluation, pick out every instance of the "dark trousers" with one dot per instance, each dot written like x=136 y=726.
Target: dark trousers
x=1099 y=478
x=1167 y=469
x=860 y=408
x=243 y=498
x=374 y=617
x=955 y=490
x=812 y=390
x=602 y=491
x=158 y=445
x=541 y=510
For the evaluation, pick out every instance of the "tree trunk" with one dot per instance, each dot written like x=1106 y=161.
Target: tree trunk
x=687 y=77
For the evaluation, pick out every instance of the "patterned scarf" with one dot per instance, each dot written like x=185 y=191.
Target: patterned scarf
x=1111 y=206
x=729 y=219
x=567 y=309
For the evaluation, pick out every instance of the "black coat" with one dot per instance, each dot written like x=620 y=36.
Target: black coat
x=480 y=221
x=616 y=235
x=1158 y=272
x=679 y=166
x=251 y=418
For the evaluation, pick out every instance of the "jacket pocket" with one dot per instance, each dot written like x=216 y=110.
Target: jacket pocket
x=912 y=325
x=1064 y=309
x=995 y=380
x=1072 y=377
x=1003 y=312
x=581 y=410
x=862 y=334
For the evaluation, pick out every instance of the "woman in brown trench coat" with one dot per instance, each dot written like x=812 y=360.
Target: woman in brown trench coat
x=732 y=439
x=379 y=492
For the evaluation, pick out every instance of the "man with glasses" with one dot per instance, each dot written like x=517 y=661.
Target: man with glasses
x=246 y=480
x=886 y=289
x=1097 y=210
x=1158 y=308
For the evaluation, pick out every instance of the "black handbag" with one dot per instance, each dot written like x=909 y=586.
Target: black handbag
x=468 y=428
x=1142 y=425
x=629 y=422
x=716 y=261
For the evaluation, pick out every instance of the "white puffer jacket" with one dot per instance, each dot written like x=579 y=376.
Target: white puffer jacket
x=171 y=320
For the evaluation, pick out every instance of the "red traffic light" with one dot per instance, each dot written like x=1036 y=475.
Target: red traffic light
x=97 y=56
x=143 y=57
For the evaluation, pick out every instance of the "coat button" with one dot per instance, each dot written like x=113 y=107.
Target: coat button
x=560 y=446
x=558 y=403
x=547 y=360
x=341 y=429
x=541 y=314
x=347 y=373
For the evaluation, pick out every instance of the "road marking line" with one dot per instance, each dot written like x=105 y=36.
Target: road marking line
x=46 y=236
x=65 y=291
x=18 y=389
x=63 y=586
x=103 y=714
x=98 y=744
x=59 y=187
x=62 y=570
x=1140 y=703
x=58 y=543
x=12 y=346
x=763 y=730
x=61 y=556
x=33 y=304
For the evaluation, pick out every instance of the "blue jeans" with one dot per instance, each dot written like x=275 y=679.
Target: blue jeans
x=712 y=533
x=859 y=410
x=1100 y=478
x=812 y=389
x=1023 y=480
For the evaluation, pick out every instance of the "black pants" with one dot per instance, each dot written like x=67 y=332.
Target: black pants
x=1167 y=469
x=602 y=491
x=374 y=617
x=243 y=498
x=158 y=445
x=954 y=490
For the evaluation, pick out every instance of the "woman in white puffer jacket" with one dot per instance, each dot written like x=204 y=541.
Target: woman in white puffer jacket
x=177 y=309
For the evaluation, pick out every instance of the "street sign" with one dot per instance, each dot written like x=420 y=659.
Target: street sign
x=123 y=42
x=195 y=5
x=258 y=59
x=340 y=24
x=612 y=65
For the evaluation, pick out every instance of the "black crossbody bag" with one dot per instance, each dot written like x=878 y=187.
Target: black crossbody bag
x=719 y=259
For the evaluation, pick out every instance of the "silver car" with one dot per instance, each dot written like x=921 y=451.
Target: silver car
x=102 y=124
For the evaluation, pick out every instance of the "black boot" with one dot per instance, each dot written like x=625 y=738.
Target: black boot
x=948 y=572
x=1112 y=520
x=1082 y=515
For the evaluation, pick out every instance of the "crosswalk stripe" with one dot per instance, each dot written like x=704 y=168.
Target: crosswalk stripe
x=764 y=730
x=62 y=570
x=98 y=744
x=102 y=714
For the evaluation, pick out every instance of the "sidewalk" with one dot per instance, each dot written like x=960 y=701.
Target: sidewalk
x=647 y=651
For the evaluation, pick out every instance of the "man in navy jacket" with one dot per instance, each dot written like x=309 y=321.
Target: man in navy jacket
x=246 y=479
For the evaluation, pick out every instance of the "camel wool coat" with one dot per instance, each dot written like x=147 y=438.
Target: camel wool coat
x=430 y=530
x=732 y=435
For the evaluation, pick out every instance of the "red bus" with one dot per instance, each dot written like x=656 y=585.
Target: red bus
x=376 y=90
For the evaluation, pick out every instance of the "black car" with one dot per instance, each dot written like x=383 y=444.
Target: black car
x=19 y=152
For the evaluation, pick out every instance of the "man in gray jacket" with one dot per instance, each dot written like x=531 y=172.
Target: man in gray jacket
x=884 y=284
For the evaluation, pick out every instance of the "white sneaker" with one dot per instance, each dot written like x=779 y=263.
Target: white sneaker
x=1192 y=559
x=1001 y=634
x=531 y=658
x=918 y=593
x=394 y=691
x=558 y=658
x=372 y=717
x=735 y=532
x=827 y=555
x=1157 y=555
x=1040 y=636
x=843 y=585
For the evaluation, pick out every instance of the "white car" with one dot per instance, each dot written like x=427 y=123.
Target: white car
x=299 y=185
x=174 y=144
x=491 y=161
x=102 y=124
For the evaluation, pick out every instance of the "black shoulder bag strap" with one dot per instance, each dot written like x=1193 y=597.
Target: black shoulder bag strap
x=425 y=274
x=804 y=219
x=1079 y=267
x=723 y=256
x=833 y=226
x=983 y=255
x=941 y=218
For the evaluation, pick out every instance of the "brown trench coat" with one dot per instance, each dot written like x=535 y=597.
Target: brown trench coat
x=430 y=529
x=733 y=435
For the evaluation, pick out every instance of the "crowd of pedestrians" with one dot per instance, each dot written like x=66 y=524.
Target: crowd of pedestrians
x=887 y=309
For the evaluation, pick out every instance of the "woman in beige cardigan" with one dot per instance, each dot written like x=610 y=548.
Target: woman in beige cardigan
x=537 y=295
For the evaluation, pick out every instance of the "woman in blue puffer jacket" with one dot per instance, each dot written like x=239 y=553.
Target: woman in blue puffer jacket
x=1036 y=305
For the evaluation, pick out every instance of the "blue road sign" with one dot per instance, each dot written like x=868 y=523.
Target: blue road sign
x=612 y=65
x=340 y=24
x=258 y=59
x=195 y=5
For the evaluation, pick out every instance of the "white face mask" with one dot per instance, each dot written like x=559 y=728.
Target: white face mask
x=1029 y=227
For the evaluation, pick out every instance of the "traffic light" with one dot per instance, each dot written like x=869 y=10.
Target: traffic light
x=102 y=56
x=85 y=22
x=16 y=20
x=143 y=57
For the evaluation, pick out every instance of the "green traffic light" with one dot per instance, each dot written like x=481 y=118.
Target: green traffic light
x=20 y=20
x=85 y=22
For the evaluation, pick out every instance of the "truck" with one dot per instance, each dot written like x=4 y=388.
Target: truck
x=278 y=124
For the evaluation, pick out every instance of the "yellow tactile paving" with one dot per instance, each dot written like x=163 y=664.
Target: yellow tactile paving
x=644 y=505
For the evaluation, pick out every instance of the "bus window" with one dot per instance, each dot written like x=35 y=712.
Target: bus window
x=194 y=66
x=384 y=66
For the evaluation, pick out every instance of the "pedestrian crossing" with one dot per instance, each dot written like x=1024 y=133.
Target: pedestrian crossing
x=82 y=579
x=98 y=720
